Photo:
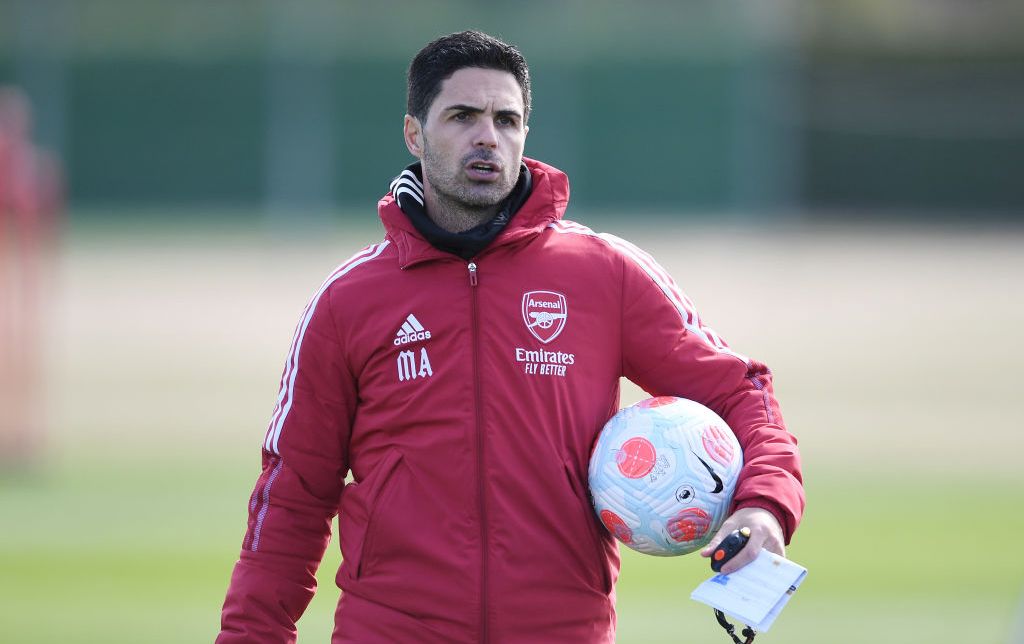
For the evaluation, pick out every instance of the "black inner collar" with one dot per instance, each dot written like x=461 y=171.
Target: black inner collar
x=468 y=243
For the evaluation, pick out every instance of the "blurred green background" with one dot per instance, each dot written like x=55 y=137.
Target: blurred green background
x=837 y=186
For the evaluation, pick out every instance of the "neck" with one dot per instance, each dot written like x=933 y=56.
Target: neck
x=455 y=217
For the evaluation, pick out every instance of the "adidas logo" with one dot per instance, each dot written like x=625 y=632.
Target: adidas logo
x=411 y=331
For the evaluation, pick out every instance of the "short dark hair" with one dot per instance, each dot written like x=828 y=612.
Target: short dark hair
x=441 y=58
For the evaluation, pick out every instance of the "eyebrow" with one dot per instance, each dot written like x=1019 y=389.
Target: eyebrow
x=480 y=110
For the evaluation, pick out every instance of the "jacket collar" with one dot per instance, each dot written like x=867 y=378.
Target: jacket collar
x=546 y=203
x=407 y=189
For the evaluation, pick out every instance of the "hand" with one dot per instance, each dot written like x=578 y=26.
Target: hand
x=765 y=532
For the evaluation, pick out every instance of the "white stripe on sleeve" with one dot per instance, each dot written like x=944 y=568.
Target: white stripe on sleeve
x=286 y=394
x=685 y=307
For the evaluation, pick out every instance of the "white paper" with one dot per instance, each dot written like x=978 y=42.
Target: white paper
x=756 y=593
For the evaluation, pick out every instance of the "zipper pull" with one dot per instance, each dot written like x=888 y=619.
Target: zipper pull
x=472 y=274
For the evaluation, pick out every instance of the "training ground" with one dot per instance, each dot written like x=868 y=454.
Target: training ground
x=896 y=353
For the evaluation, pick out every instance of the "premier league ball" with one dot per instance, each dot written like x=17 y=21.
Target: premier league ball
x=662 y=475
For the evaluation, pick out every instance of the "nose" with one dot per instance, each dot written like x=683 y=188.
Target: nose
x=485 y=135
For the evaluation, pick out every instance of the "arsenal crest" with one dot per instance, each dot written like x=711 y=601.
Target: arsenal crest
x=544 y=313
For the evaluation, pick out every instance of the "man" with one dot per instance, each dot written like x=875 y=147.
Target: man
x=30 y=201
x=467 y=425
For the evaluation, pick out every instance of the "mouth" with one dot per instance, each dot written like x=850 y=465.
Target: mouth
x=482 y=170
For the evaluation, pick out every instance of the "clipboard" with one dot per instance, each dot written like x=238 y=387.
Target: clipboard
x=756 y=593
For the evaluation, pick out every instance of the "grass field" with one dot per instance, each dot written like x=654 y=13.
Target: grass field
x=895 y=353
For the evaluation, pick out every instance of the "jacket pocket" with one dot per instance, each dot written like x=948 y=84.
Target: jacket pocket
x=593 y=529
x=358 y=510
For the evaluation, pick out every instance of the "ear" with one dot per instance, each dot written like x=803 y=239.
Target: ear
x=413 y=136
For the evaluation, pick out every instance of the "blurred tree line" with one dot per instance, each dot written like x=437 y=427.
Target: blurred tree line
x=898 y=107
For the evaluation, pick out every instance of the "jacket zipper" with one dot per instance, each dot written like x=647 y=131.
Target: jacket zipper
x=478 y=410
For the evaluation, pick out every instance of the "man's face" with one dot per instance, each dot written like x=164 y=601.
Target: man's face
x=472 y=143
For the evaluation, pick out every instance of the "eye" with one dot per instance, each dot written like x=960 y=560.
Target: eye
x=506 y=121
x=461 y=117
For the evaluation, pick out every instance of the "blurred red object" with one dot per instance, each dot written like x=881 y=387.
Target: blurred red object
x=31 y=200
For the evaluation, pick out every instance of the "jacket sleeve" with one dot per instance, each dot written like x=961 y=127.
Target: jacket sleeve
x=296 y=496
x=667 y=350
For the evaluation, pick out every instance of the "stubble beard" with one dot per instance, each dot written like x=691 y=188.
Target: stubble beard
x=459 y=206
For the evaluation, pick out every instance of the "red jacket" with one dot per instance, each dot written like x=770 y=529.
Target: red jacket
x=465 y=399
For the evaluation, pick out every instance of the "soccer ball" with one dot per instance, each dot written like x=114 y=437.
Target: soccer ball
x=662 y=475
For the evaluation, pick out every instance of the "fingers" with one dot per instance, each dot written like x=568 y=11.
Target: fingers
x=722 y=533
x=747 y=554
x=761 y=537
x=765 y=532
x=734 y=522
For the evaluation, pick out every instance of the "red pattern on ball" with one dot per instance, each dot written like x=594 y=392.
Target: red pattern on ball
x=636 y=457
x=689 y=525
x=616 y=526
x=717 y=444
x=659 y=401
